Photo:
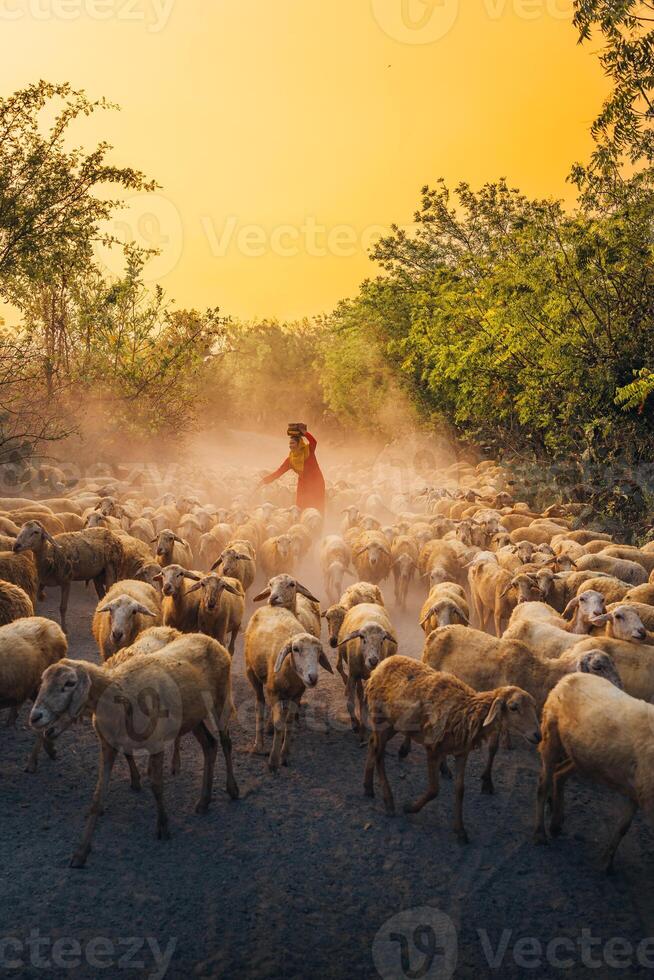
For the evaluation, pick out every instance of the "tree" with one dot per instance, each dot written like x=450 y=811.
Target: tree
x=50 y=211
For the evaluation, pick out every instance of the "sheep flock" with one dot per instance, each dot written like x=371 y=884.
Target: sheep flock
x=537 y=632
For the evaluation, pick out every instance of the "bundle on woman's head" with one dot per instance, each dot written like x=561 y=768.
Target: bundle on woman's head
x=295 y=430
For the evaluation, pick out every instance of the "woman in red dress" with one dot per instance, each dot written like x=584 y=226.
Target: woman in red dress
x=302 y=460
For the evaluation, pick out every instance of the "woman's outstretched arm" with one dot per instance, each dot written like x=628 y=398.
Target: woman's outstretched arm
x=284 y=468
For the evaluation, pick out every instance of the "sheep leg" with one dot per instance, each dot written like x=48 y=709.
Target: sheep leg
x=280 y=719
x=155 y=772
x=543 y=793
x=99 y=586
x=226 y=745
x=134 y=774
x=487 y=775
x=460 y=762
x=107 y=758
x=12 y=715
x=291 y=718
x=405 y=747
x=369 y=774
x=380 y=751
x=259 y=708
x=63 y=604
x=559 y=779
x=497 y=616
x=33 y=760
x=621 y=830
x=363 y=708
x=176 y=764
x=209 y=750
x=433 y=768
x=232 y=641
x=350 y=691
x=340 y=668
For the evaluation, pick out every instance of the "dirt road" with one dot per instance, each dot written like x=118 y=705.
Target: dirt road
x=303 y=876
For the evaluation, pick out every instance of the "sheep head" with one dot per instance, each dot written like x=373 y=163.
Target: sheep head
x=306 y=655
x=62 y=696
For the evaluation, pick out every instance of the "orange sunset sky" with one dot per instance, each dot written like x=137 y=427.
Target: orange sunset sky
x=287 y=133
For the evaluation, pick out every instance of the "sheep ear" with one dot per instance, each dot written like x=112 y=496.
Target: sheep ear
x=324 y=662
x=218 y=562
x=194 y=588
x=49 y=538
x=462 y=616
x=350 y=636
x=143 y=610
x=305 y=592
x=604 y=618
x=192 y=576
x=158 y=577
x=240 y=557
x=570 y=608
x=262 y=595
x=229 y=588
x=80 y=693
x=389 y=638
x=108 y=607
x=281 y=657
x=496 y=709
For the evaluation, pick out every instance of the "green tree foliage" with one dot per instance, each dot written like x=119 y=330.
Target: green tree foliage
x=624 y=124
x=50 y=208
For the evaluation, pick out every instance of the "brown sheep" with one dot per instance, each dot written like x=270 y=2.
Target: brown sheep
x=27 y=647
x=354 y=595
x=445 y=604
x=173 y=550
x=94 y=554
x=282 y=661
x=221 y=608
x=14 y=603
x=238 y=560
x=365 y=639
x=20 y=570
x=371 y=557
x=127 y=609
x=179 y=609
x=443 y=714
